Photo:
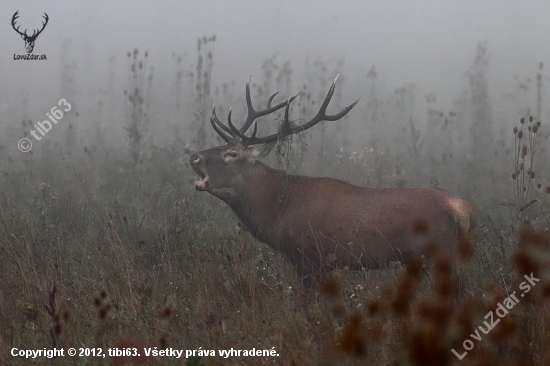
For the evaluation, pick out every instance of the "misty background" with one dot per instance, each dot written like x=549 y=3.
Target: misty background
x=103 y=208
x=447 y=77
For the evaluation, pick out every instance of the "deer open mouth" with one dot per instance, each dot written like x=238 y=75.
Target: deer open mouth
x=202 y=184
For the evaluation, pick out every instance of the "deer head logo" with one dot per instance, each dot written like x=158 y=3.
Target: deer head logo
x=29 y=40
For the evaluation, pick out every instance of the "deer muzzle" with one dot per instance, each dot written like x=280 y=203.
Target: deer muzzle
x=197 y=164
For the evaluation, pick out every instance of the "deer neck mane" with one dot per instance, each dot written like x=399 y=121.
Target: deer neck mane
x=260 y=199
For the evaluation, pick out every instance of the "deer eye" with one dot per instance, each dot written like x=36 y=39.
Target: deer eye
x=232 y=154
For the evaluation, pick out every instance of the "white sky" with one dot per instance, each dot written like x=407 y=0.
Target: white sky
x=428 y=43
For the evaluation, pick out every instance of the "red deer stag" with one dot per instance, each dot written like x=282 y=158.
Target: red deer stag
x=319 y=223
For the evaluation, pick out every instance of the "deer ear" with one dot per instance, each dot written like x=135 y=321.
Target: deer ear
x=261 y=151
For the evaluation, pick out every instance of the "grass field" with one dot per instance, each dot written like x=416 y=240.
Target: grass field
x=110 y=246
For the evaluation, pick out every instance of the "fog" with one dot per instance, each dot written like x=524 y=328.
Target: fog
x=423 y=42
x=100 y=204
x=425 y=47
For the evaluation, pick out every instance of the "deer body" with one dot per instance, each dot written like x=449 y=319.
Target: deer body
x=323 y=223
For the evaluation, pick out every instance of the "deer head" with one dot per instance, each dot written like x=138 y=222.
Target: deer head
x=222 y=170
x=29 y=40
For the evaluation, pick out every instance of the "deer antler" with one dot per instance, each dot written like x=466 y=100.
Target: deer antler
x=13 y=19
x=43 y=26
x=232 y=133
x=35 y=33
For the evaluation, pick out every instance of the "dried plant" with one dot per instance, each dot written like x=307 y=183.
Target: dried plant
x=524 y=176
